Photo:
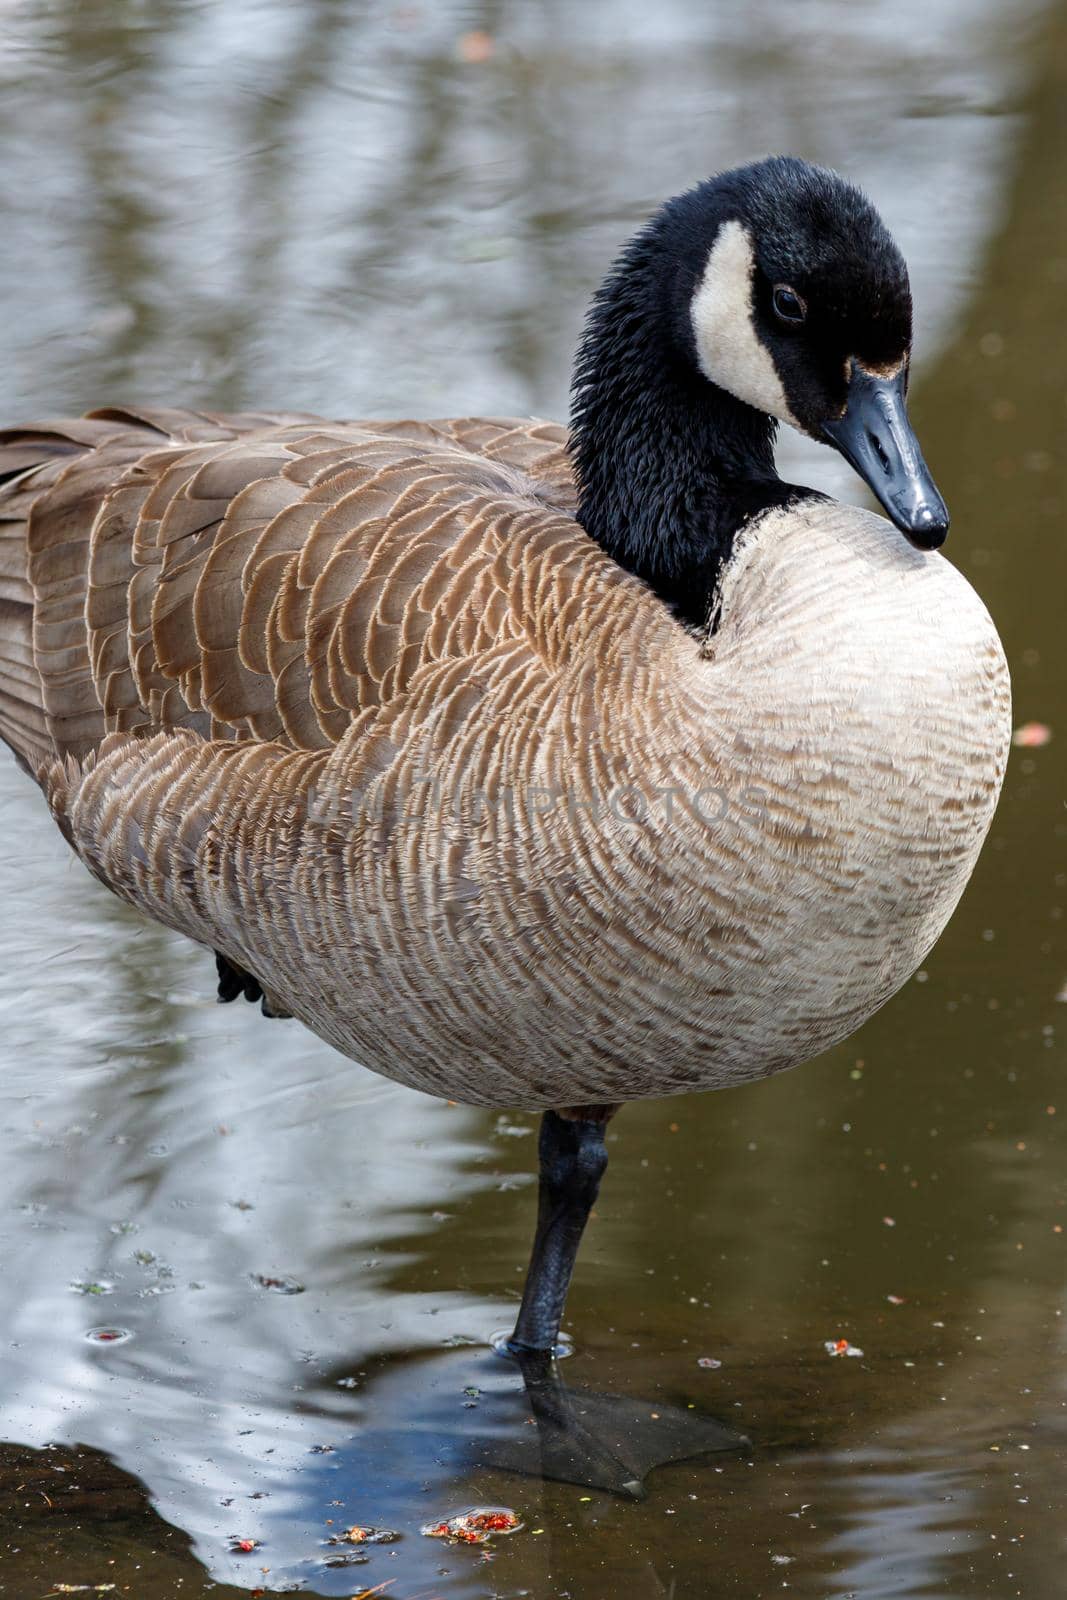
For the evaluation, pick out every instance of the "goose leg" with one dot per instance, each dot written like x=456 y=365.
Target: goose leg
x=572 y=1162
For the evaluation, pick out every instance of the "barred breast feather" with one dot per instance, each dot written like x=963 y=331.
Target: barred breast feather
x=361 y=706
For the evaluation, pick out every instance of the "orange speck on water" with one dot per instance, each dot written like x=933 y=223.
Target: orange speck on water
x=476 y=47
x=1031 y=735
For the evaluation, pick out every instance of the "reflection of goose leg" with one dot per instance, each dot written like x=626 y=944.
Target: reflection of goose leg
x=573 y=1158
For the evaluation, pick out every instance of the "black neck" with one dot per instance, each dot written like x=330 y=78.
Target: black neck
x=669 y=466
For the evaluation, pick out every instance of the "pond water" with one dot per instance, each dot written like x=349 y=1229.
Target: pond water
x=402 y=209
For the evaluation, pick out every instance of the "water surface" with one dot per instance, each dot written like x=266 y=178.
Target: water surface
x=402 y=210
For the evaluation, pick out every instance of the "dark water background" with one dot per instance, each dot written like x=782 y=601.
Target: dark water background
x=331 y=206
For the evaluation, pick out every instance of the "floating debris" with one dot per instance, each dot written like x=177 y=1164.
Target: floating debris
x=108 y=1335
x=83 y=1588
x=90 y=1286
x=841 y=1347
x=711 y=1362
x=152 y=1291
x=474 y=1527
x=896 y=1299
x=277 y=1285
x=243 y=1547
x=360 y=1535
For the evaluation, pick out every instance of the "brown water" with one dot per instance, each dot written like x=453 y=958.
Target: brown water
x=326 y=206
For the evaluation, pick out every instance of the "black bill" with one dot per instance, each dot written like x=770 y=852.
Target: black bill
x=876 y=438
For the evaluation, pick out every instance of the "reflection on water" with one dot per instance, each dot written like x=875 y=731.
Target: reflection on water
x=327 y=206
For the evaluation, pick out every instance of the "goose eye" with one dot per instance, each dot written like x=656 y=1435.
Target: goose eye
x=788 y=306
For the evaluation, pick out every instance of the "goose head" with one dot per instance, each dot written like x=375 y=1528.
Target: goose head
x=802 y=309
x=771 y=293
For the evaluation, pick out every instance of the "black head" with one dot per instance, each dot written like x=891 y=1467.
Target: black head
x=788 y=292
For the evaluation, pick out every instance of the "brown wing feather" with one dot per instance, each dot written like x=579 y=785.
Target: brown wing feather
x=253 y=576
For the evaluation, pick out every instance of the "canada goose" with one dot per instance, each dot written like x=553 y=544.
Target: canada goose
x=525 y=771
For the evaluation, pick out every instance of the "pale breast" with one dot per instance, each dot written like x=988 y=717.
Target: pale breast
x=862 y=703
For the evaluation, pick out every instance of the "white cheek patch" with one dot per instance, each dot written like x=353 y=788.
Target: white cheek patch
x=728 y=348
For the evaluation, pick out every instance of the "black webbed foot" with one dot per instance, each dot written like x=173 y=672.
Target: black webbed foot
x=233 y=982
x=603 y=1441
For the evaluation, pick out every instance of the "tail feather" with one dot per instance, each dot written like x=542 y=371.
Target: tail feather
x=29 y=462
x=22 y=718
x=64 y=592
